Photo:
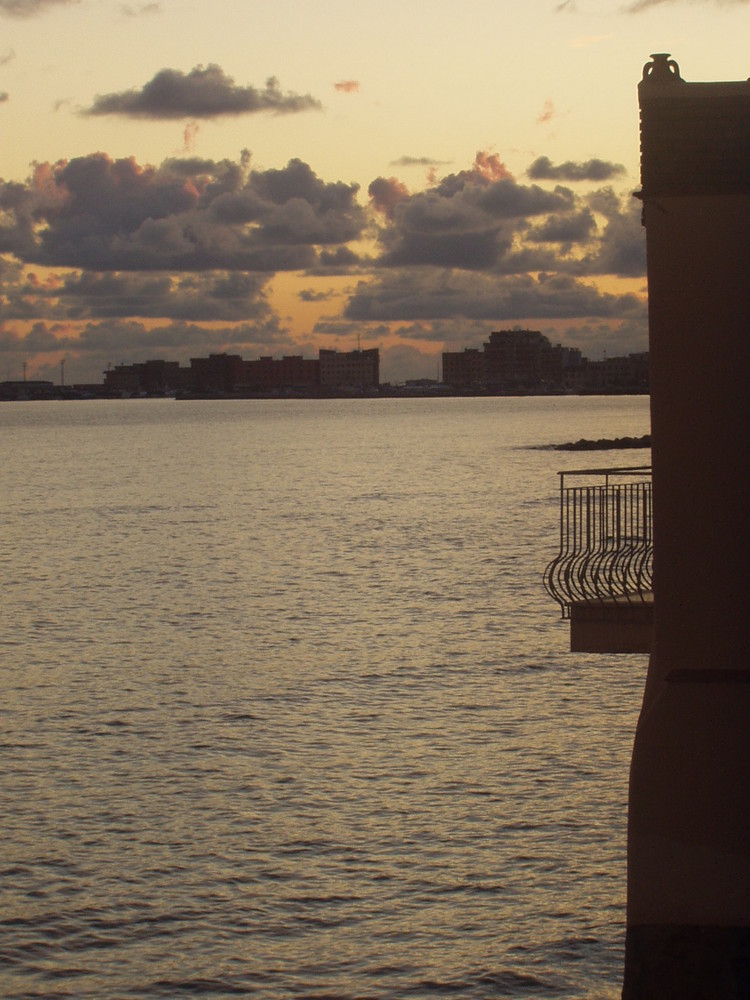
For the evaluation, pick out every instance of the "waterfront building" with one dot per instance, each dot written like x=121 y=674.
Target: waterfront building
x=514 y=361
x=350 y=369
x=217 y=373
x=521 y=359
x=148 y=376
x=629 y=373
x=268 y=374
x=464 y=369
x=688 y=909
x=27 y=389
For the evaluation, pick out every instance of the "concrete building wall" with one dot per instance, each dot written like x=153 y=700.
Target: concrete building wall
x=217 y=372
x=689 y=809
x=291 y=371
x=339 y=369
x=464 y=368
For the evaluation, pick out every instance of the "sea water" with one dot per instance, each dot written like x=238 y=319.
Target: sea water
x=287 y=711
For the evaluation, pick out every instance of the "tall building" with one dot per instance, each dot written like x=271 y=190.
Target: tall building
x=688 y=907
x=511 y=360
x=521 y=359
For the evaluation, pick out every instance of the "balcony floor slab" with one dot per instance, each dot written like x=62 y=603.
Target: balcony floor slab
x=612 y=625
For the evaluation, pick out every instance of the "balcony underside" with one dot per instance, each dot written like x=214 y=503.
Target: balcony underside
x=612 y=625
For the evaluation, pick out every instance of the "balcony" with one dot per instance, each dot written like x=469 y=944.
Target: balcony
x=602 y=576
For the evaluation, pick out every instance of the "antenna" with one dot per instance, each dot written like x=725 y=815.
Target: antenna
x=62 y=373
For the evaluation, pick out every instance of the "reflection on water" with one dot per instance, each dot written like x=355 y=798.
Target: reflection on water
x=288 y=712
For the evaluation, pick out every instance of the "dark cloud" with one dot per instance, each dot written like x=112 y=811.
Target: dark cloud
x=314 y=295
x=508 y=200
x=482 y=220
x=228 y=297
x=424 y=295
x=39 y=338
x=621 y=250
x=8 y=57
x=339 y=261
x=135 y=341
x=575 y=228
x=3 y=97
x=213 y=297
x=204 y=92
x=466 y=221
x=477 y=249
x=193 y=215
x=542 y=169
x=613 y=338
x=30 y=8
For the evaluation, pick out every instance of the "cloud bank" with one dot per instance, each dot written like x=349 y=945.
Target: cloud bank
x=186 y=215
x=182 y=257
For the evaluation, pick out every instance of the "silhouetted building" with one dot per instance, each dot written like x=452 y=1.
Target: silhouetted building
x=151 y=377
x=514 y=361
x=464 y=369
x=268 y=374
x=350 y=369
x=27 y=389
x=520 y=359
x=628 y=373
x=689 y=810
x=217 y=373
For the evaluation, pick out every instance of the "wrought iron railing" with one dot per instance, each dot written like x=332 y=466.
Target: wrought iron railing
x=606 y=538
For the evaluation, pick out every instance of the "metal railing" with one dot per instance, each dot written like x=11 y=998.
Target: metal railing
x=606 y=538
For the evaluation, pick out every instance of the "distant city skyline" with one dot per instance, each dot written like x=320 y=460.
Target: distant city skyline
x=179 y=179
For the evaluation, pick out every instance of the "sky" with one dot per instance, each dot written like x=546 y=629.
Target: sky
x=184 y=177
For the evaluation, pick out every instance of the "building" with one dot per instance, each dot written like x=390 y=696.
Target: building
x=217 y=373
x=150 y=377
x=464 y=369
x=620 y=374
x=350 y=369
x=513 y=361
x=521 y=359
x=268 y=374
x=688 y=908
x=28 y=389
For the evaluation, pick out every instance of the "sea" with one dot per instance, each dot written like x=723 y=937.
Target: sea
x=287 y=712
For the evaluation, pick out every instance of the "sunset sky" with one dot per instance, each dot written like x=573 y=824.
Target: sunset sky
x=182 y=177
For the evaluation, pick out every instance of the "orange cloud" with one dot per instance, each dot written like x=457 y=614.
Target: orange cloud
x=386 y=193
x=490 y=167
x=547 y=114
x=347 y=86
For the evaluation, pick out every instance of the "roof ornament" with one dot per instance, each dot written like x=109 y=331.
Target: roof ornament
x=662 y=69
